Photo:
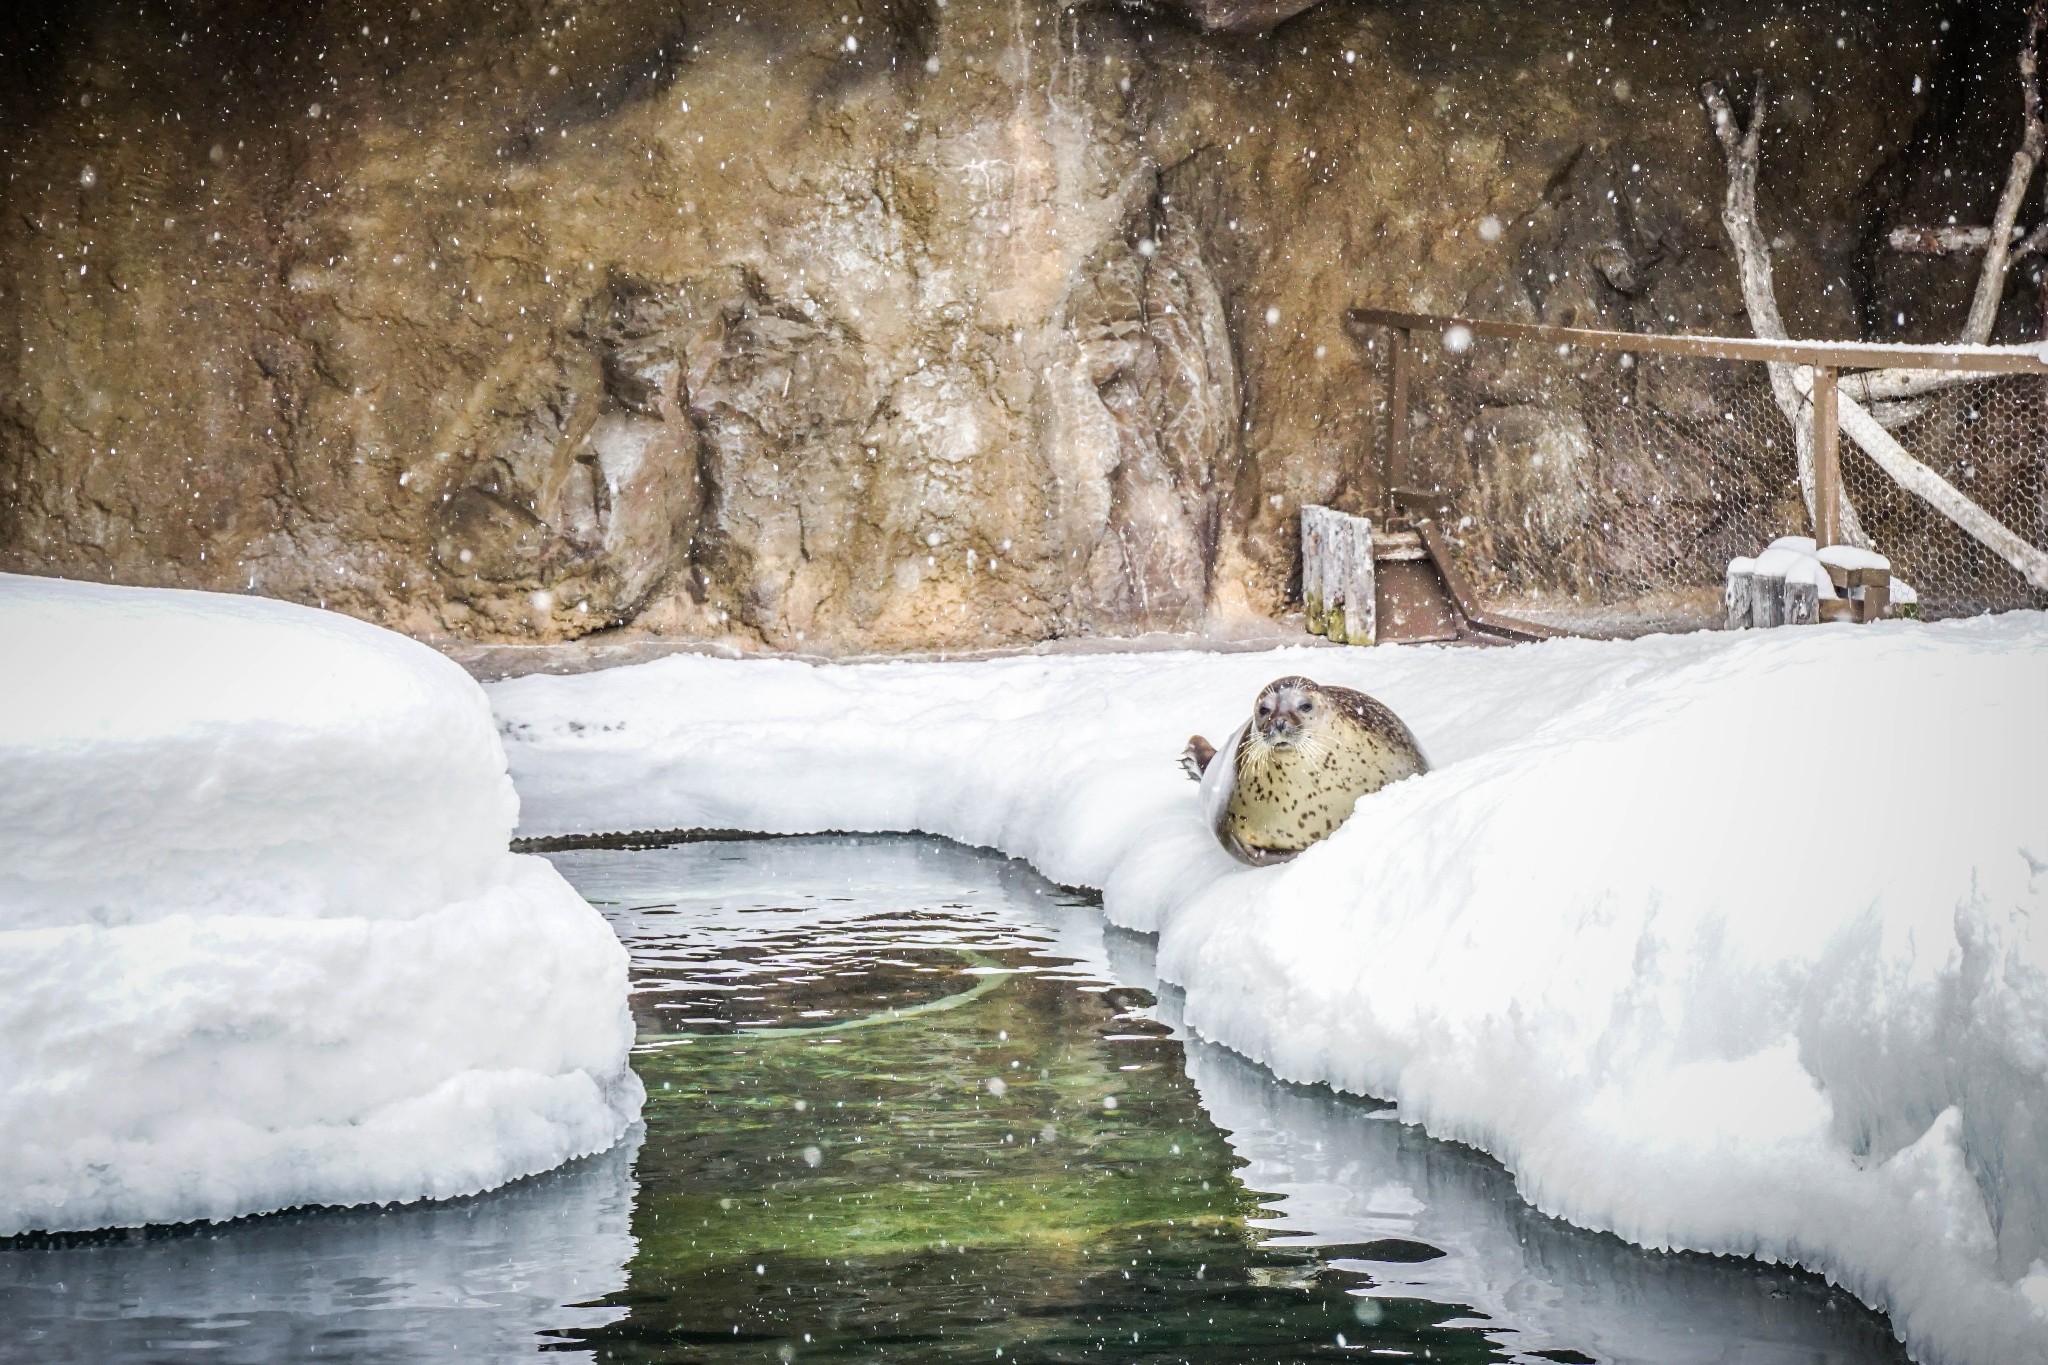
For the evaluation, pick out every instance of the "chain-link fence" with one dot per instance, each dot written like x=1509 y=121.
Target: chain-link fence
x=1605 y=491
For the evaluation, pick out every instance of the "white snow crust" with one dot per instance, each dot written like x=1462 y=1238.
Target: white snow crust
x=261 y=941
x=1735 y=942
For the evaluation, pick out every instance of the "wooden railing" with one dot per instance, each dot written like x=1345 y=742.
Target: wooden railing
x=1825 y=359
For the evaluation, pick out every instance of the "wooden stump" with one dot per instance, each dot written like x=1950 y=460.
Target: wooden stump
x=1767 y=599
x=1741 y=589
x=1802 y=602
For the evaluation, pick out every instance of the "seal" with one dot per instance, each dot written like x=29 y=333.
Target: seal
x=1291 y=774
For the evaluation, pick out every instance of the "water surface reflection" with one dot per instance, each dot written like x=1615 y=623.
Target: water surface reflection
x=910 y=1102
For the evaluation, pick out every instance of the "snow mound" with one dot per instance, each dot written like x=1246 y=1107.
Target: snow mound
x=1735 y=942
x=261 y=942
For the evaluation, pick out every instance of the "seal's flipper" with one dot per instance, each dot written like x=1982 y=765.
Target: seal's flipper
x=1195 y=758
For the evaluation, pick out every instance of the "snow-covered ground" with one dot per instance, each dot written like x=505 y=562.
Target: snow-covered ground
x=1734 y=942
x=261 y=942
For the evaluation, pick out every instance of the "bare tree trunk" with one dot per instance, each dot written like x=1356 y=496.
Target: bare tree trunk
x=2033 y=135
x=2001 y=244
x=1791 y=385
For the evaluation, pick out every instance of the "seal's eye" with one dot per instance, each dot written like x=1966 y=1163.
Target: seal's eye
x=1308 y=706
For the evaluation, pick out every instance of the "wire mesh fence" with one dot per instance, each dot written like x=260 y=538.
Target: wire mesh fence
x=1990 y=439
x=1606 y=492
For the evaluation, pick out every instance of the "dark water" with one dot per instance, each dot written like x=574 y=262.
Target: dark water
x=909 y=1102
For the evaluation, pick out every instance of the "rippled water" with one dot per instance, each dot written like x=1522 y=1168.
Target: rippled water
x=910 y=1102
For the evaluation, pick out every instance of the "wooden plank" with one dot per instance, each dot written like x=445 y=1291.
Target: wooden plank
x=1361 y=586
x=1314 y=558
x=1412 y=605
x=1492 y=623
x=1394 y=466
x=1337 y=551
x=1827 y=459
x=1398 y=545
x=1424 y=500
x=1840 y=354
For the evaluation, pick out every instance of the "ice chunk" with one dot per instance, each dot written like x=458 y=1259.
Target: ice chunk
x=261 y=941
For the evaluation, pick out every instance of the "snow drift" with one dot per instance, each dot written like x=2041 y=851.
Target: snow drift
x=1732 y=942
x=261 y=942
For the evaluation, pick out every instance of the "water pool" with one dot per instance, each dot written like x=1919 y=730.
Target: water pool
x=911 y=1102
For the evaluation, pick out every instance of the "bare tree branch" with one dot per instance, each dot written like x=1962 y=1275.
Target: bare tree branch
x=1951 y=241
x=2033 y=138
x=1791 y=385
x=1889 y=386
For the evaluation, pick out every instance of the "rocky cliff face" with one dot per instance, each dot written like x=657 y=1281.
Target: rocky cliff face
x=845 y=324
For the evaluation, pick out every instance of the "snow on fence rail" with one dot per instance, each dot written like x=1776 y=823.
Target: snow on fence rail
x=1590 y=478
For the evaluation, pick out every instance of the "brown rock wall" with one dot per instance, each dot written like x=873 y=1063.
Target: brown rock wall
x=844 y=325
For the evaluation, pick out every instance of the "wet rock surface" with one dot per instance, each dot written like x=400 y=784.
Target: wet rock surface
x=854 y=326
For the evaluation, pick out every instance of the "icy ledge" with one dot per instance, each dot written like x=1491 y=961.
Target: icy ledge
x=1726 y=942
x=261 y=942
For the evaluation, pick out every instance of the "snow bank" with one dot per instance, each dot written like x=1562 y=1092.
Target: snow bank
x=1734 y=942
x=261 y=942
x=488 y=1278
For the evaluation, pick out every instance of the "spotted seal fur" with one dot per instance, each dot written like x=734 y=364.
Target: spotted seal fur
x=1291 y=774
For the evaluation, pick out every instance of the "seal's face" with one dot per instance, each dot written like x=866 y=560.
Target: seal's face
x=1286 y=710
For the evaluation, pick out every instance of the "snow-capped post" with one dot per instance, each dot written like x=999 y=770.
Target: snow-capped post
x=1862 y=581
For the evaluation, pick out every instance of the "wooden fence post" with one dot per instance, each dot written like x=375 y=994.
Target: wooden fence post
x=1827 y=459
x=1394 y=465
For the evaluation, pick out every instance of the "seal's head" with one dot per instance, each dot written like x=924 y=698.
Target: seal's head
x=1286 y=711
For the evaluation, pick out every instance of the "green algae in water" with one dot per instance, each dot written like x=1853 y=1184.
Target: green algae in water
x=1030 y=1171
x=906 y=1131
x=899 y=1112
